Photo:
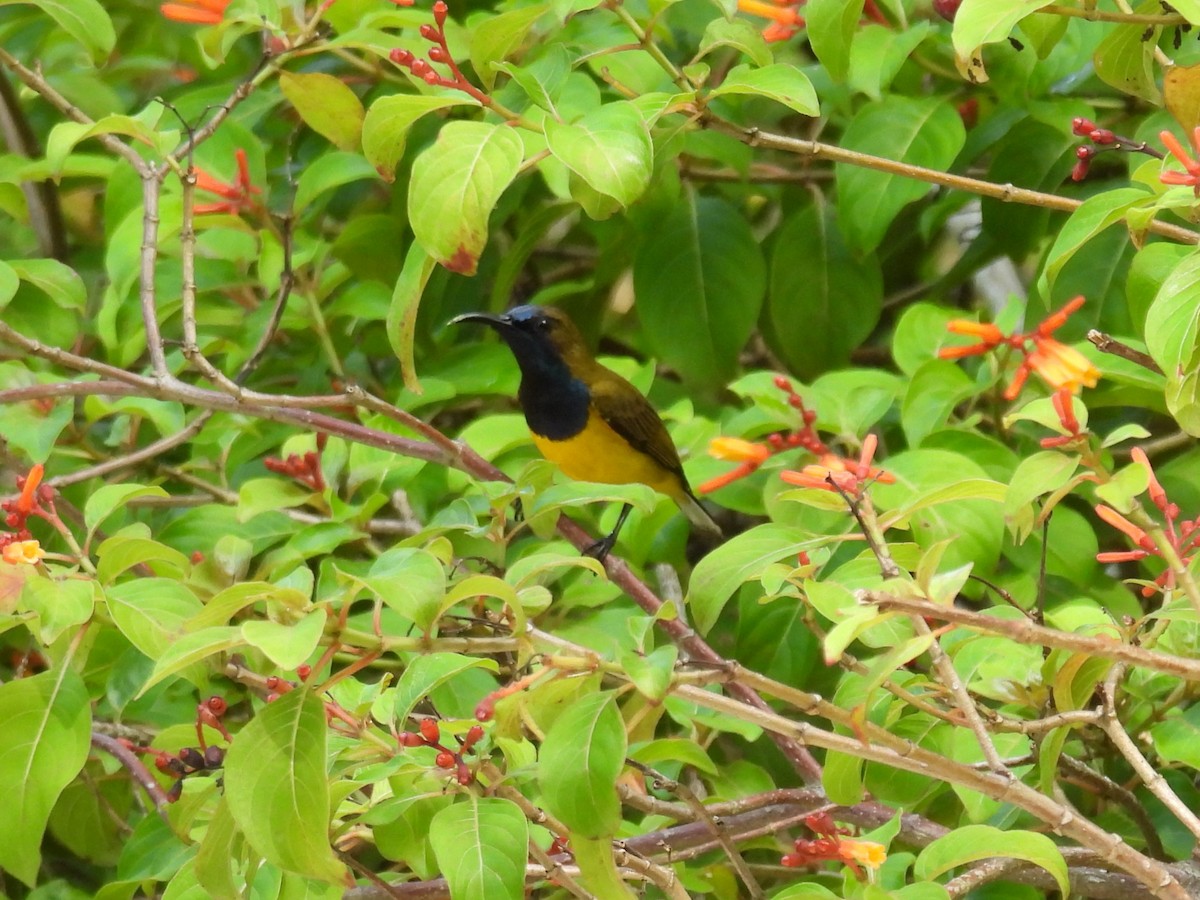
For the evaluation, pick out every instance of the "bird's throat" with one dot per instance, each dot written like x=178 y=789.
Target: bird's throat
x=555 y=407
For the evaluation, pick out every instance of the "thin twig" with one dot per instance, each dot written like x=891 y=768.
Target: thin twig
x=134 y=766
x=1106 y=343
x=1024 y=631
x=1155 y=783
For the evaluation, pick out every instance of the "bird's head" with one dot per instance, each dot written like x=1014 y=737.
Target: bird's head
x=538 y=336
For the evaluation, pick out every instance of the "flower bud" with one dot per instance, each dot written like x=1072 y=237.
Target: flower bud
x=430 y=730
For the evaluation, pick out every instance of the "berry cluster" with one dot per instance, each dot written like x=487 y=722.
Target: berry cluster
x=438 y=53
x=305 y=469
x=430 y=735
x=190 y=760
x=1102 y=140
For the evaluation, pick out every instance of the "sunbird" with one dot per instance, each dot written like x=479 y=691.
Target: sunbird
x=587 y=419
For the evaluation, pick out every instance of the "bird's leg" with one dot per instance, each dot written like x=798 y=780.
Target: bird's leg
x=604 y=546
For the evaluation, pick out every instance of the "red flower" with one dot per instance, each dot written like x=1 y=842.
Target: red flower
x=195 y=12
x=1191 y=174
x=239 y=195
x=785 y=21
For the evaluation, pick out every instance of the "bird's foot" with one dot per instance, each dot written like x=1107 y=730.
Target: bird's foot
x=601 y=548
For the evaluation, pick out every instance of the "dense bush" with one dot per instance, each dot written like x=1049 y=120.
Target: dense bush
x=289 y=606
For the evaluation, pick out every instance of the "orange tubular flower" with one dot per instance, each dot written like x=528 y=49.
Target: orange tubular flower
x=785 y=21
x=1191 y=174
x=733 y=449
x=1123 y=525
x=22 y=552
x=1057 y=364
x=1061 y=366
x=239 y=195
x=195 y=12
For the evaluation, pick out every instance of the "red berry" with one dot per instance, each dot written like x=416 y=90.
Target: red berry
x=1082 y=127
x=445 y=760
x=408 y=739
x=947 y=10
x=430 y=730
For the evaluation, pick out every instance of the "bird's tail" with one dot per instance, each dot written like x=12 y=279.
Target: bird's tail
x=698 y=516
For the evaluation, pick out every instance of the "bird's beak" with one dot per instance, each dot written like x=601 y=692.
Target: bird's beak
x=497 y=322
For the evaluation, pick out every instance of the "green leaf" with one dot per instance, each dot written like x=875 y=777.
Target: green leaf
x=609 y=148
x=578 y=765
x=735 y=562
x=1177 y=739
x=44 y=744
x=326 y=105
x=107 y=499
x=1125 y=59
x=738 y=34
x=332 y=170
x=923 y=132
x=385 y=128
x=56 y=280
x=818 y=287
x=59 y=605
x=286 y=645
x=84 y=20
x=152 y=612
x=121 y=553
x=410 y=581
x=496 y=36
x=831 y=26
x=699 y=279
x=980 y=22
x=969 y=843
x=427 y=672
x=779 y=82
x=277 y=787
x=1173 y=339
x=9 y=283
x=192 y=648
x=455 y=184
x=598 y=869
x=1092 y=217
x=481 y=845
x=402 y=311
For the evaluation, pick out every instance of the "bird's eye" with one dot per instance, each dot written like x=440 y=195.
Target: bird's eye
x=544 y=324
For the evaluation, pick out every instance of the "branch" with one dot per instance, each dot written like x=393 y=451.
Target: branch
x=1006 y=193
x=136 y=769
x=1106 y=343
x=1024 y=631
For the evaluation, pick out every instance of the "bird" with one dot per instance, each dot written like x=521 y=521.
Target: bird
x=588 y=420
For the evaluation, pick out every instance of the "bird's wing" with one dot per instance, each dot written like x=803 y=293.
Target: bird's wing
x=631 y=416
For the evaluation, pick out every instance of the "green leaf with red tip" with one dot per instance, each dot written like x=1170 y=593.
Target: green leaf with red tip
x=455 y=185
x=326 y=105
x=277 y=787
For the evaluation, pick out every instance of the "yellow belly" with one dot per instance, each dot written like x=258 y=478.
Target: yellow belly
x=600 y=454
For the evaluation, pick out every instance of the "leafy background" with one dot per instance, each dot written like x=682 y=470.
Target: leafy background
x=289 y=638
